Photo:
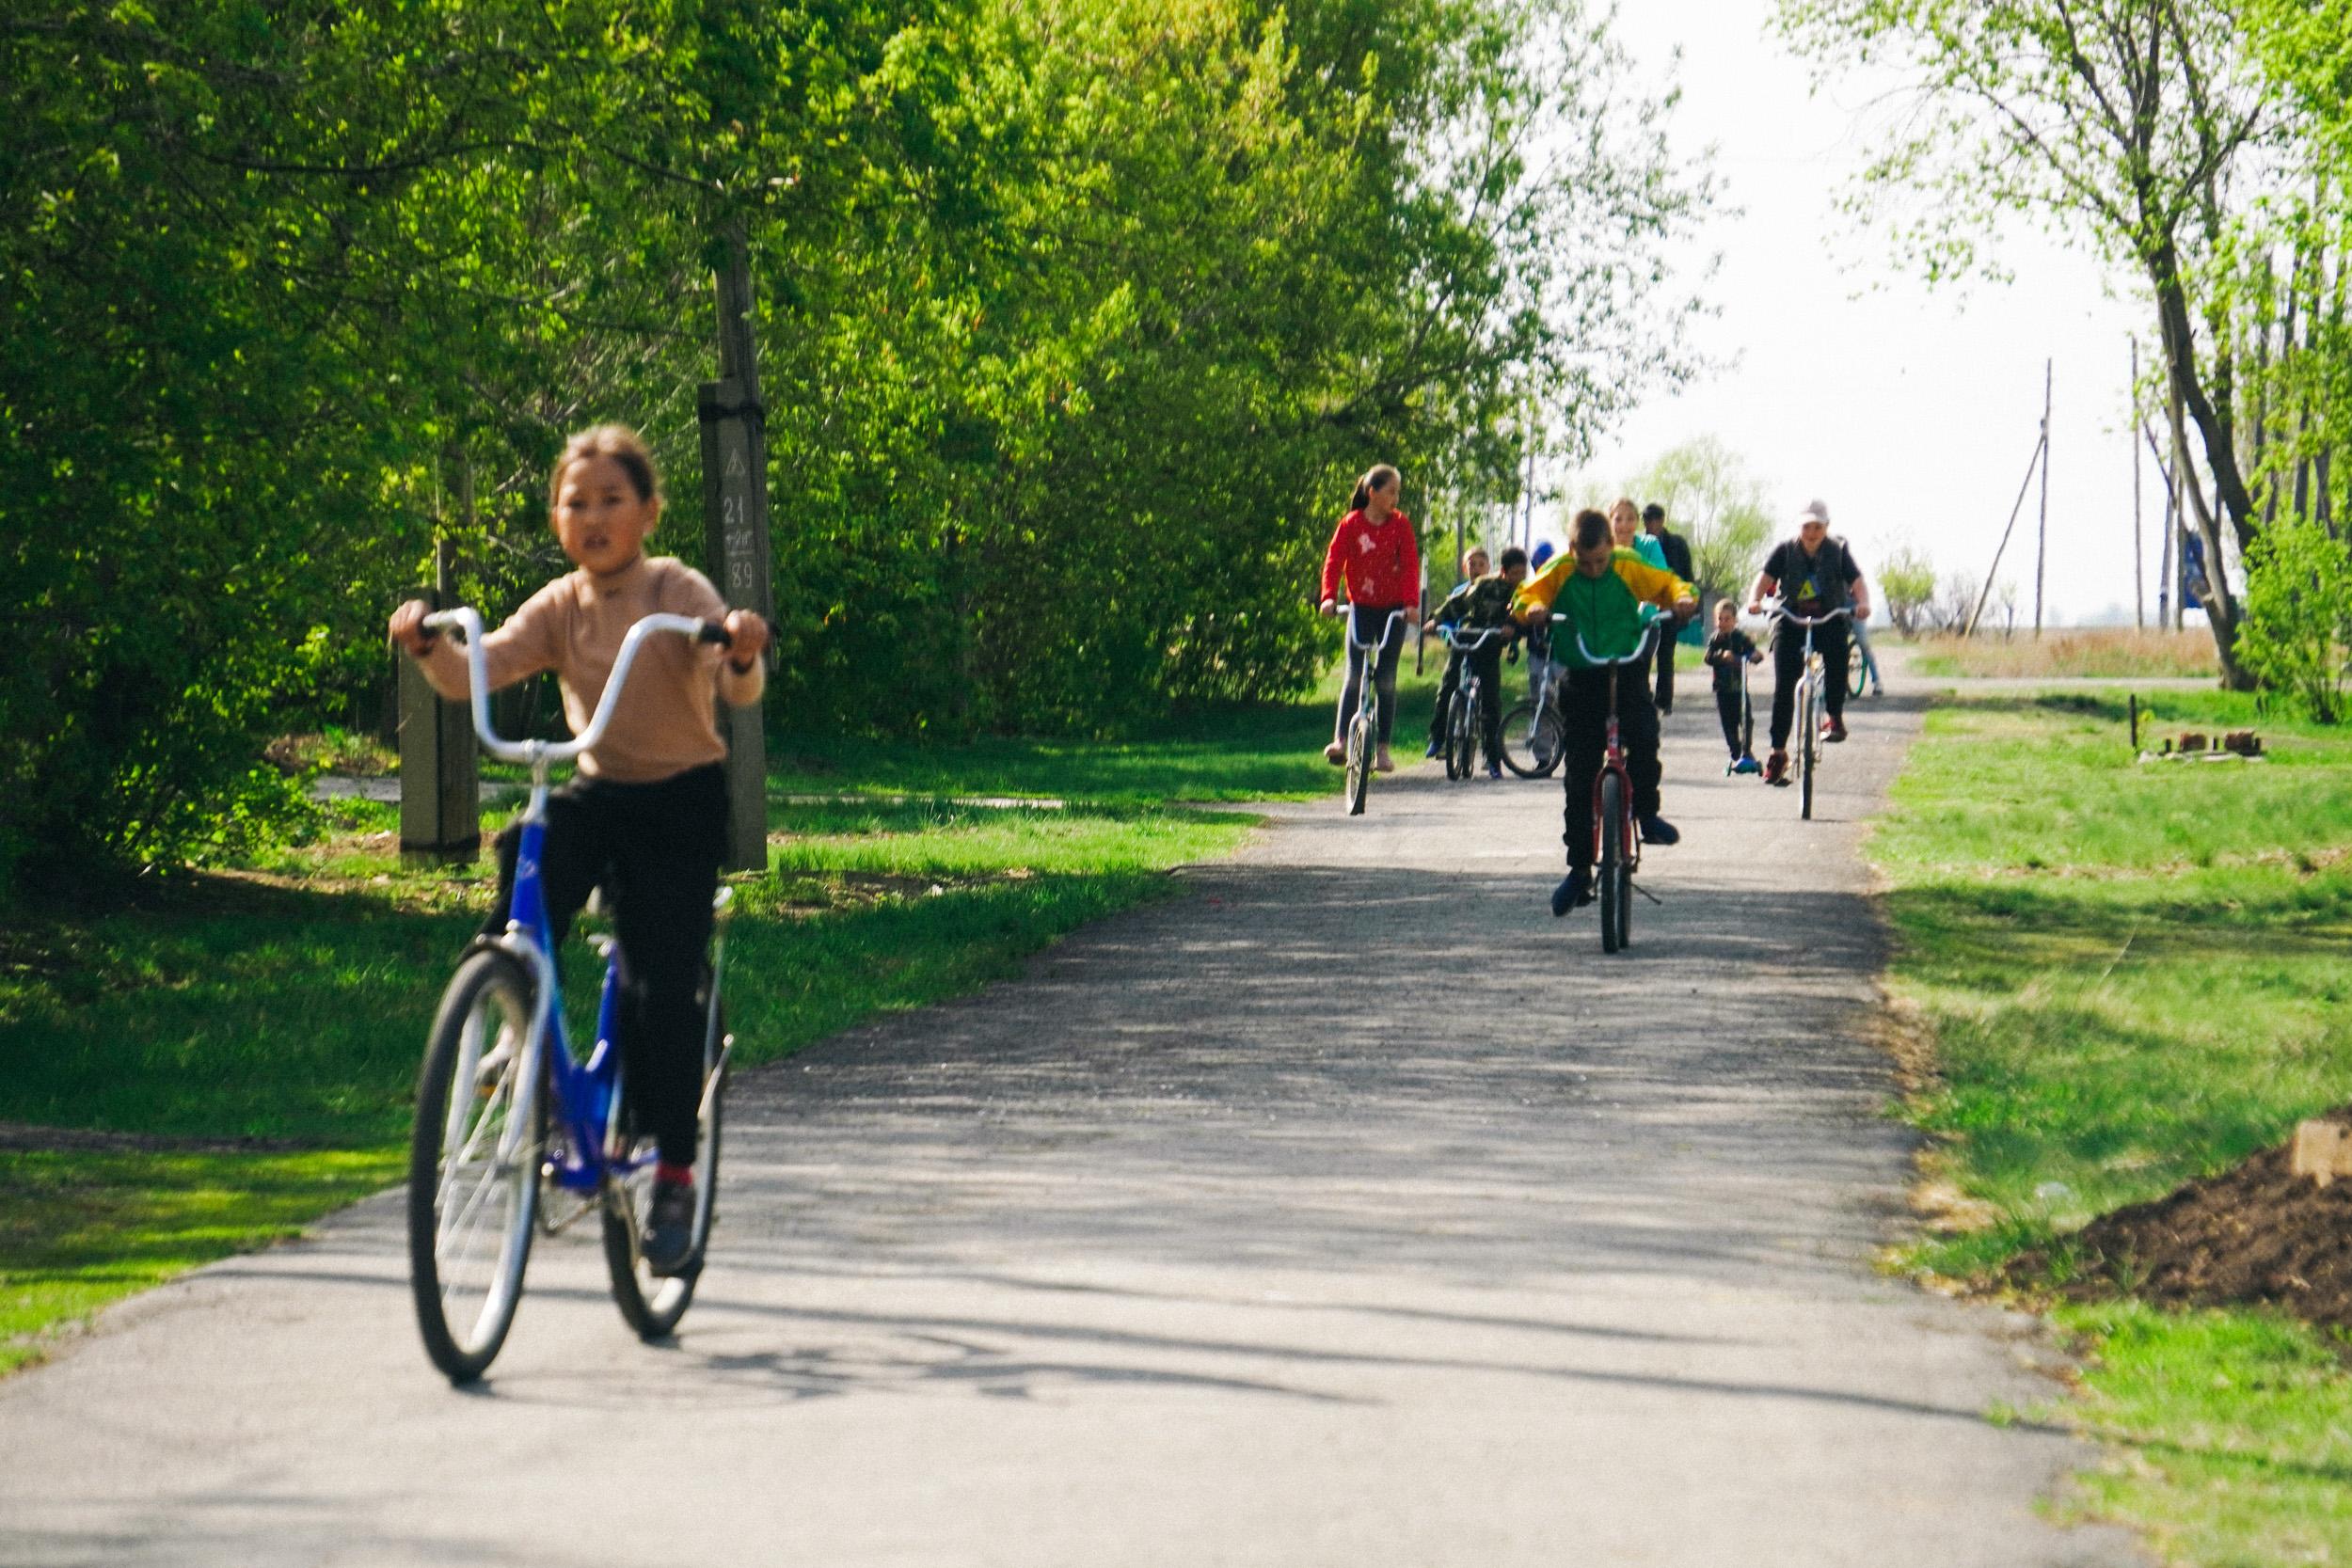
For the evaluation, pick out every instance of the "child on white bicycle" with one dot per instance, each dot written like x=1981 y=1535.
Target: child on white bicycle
x=646 y=816
x=1479 y=605
x=1595 y=593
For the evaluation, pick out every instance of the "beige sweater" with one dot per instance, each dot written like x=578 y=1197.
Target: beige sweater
x=667 y=721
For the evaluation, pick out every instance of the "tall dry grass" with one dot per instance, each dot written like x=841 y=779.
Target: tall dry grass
x=2109 y=651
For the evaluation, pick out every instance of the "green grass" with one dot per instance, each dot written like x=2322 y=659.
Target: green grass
x=1262 y=752
x=287 y=1000
x=2229 y=1435
x=2133 y=974
x=81 y=1229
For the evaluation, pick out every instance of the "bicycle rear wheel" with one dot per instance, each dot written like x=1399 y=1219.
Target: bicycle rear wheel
x=1612 y=871
x=1360 y=760
x=653 y=1304
x=473 y=1164
x=1532 y=740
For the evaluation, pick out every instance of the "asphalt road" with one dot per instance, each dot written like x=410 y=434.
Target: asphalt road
x=1349 y=1209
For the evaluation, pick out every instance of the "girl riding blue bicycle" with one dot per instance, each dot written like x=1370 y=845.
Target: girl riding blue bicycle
x=646 y=816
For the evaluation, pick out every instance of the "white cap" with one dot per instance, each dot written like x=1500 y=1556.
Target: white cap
x=1815 y=512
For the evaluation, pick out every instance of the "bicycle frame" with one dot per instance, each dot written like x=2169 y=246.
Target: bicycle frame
x=585 y=1090
x=1612 y=749
x=1472 y=689
x=1812 y=673
x=1368 y=693
x=1366 y=701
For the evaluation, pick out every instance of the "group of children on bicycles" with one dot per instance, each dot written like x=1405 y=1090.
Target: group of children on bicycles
x=1595 y=605
x=644 y=816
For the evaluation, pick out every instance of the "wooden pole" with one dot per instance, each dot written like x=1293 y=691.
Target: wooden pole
x=2180 y=480
x=2139 y=578
x=2042 y=541
x=734 y=524
x=1986 y=591
x=2164 y=552
x=440 y=771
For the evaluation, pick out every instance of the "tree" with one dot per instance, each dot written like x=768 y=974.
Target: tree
x=2141 y=125
x=1713 y=501
x=2297 y=631
x=1906 y=589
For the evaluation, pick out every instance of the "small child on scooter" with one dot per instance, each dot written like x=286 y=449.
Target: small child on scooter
x=1728 y=654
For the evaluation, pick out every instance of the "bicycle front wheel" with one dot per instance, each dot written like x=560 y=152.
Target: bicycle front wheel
x=1611 y=870
x=653 y=1304
x=1462 y=758
x=473 y=1164
x=1360 y=760
x=1532 y=740
x=1808 y=749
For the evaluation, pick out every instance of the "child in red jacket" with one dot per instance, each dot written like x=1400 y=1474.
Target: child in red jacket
x=1376 y=551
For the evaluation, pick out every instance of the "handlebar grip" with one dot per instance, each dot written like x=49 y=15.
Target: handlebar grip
x=715 y=632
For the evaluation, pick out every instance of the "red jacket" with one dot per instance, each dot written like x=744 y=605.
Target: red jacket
x=1381 y=561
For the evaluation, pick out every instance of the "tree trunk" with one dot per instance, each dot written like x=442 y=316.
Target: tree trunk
x=2220 y=603
x=2190 y=402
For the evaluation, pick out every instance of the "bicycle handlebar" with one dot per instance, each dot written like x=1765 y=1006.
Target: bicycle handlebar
x=1782 y=612
x=467 y=623
x=1640 y=648
x=1486 y=635
x=1347 y=616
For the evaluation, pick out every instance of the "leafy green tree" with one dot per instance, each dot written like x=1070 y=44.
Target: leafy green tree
x=1717 y=504
x=1906 y=588
x=2297 y=633
x=1075 y=319
x=2143 y=126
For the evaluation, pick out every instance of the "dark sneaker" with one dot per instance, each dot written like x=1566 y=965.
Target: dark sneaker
x=1747 y=764
x=1657 y=830
x=1776 y=768
x=1494 y=770
x=1834 y=729
x=669 y=1234
x=1574 y=892
x=1435 y=747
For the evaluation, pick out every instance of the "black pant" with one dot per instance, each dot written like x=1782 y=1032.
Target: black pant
x=1788 y=664
x=1666 y=666
x=1584 y=710
x=656 y=849
x=1488 y=661
x=1728 y=707
x=1369 y=622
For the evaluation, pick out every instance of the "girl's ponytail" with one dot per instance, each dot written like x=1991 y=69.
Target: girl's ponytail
x=1362 y=497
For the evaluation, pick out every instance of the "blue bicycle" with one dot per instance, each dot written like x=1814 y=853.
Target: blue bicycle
x=515 y=1130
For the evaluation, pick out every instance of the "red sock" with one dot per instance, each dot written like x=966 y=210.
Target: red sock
x=676 y=1175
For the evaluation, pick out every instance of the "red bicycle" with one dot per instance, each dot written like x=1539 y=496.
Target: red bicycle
x=1616 y=842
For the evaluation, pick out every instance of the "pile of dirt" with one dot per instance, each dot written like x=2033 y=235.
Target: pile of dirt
x=2254 y=1234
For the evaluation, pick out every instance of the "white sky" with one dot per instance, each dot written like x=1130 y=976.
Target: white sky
x=1912 y=412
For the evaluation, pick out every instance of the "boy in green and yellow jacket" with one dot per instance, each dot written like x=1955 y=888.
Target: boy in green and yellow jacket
x=1596 y=594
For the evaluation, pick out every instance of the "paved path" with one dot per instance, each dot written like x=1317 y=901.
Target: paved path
x=1350 y=1212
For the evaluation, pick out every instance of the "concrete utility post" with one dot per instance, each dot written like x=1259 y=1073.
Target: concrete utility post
x=734 y=523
